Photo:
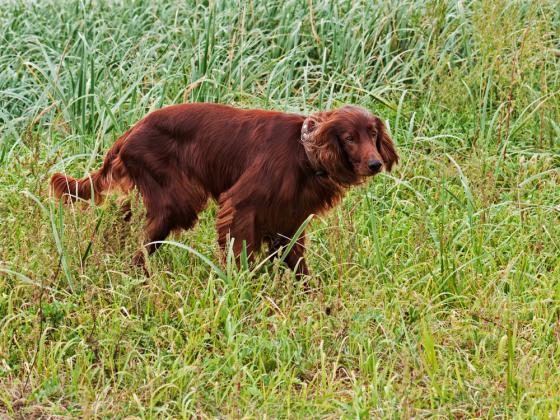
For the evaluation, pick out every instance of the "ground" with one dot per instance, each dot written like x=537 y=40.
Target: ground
x=435 y=290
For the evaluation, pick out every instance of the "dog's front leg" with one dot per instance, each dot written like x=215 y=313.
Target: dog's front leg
x=238 y=224
x=295 y=258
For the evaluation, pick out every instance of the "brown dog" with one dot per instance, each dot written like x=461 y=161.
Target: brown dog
x=268 y=170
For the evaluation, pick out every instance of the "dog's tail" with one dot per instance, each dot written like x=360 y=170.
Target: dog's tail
x=112 y=174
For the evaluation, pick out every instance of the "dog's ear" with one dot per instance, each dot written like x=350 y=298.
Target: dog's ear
x=386 y=147
x=323 y=148
x=314 y=138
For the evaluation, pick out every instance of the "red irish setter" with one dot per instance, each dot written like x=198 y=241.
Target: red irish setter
x=267 y=170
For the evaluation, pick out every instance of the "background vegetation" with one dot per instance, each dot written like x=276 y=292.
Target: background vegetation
x=435 y=289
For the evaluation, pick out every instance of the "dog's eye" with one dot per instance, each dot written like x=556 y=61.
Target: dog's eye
x=349 y=139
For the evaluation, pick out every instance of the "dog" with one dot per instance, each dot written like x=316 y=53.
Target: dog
x=267 y=170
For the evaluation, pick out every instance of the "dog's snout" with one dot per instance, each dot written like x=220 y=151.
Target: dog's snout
x=374 y=165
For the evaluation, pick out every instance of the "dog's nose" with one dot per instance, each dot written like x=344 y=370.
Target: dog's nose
x=374 y=165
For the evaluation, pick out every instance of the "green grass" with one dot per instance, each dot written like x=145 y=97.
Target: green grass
x=435 y=289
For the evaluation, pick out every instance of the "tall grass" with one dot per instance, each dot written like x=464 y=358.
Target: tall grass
x=435 y=289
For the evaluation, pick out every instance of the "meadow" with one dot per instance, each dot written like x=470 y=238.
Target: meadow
x=435 y=289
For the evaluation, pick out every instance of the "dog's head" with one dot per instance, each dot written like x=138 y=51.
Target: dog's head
x=348 y=144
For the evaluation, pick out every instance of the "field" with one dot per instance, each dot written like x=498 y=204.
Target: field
x=435 y=290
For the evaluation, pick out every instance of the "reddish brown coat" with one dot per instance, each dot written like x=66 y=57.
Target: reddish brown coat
x=252 y=162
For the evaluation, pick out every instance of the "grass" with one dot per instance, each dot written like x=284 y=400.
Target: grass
x=435 y=289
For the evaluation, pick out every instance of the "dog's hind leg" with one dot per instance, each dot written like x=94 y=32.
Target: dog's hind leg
x=157 y=229
x=126 y=210
x=172 y=208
